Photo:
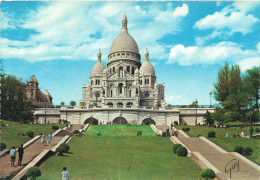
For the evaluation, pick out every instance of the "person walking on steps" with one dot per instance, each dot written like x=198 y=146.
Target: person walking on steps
x=13 y=155
x=20 y=153
x=43 y=140
x=49 y=138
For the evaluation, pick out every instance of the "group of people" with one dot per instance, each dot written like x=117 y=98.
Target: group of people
x=20 y=134
x=172 y=133
x=45 y=138
x=13 y=155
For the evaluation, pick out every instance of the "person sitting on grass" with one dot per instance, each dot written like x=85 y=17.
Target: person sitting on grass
x=226 y=134
x=65 y=174
x=98 y=133
x=19 y=134
x=13 y=155
x=139 y=133
x=220 y=136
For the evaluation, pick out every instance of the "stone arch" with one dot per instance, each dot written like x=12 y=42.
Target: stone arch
x=91 y=121
x=120 y=120
x=129 y=104
x=110 y=104
x=148 y=121
x=119 y=104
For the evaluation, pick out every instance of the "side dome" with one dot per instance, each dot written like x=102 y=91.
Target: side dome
x=99 y=67
x=147 y=67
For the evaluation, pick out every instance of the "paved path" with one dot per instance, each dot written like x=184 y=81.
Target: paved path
x=217 y=158
x=30 y=152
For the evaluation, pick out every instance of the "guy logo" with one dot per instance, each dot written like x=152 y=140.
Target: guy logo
x=233 y=164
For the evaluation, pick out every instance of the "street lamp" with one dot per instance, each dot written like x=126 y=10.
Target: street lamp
x=250 y=104
x=196 y=104
x=210 y=98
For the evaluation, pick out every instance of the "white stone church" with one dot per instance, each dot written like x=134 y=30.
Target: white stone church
x=126 y=81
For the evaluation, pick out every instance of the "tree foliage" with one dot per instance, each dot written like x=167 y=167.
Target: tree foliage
x=208 y=119
x=62 y=103
x=73 y=103
x=14 y=103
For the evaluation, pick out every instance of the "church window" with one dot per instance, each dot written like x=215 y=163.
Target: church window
x=133 y=70
x=146 y=81
x=118 y=54
x=128 y=54
x=123 y=54
x=129 y=93
x=152 y=82
x=120 y=88
x=111 y=93
x=91 y=82
x=141 y=82
x=96 y=81
x=110 y=70
x=128 y=68
x=133 y=55
x=114 y=69
x=114 y=55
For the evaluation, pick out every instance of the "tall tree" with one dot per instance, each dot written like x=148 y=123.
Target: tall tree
x=73 y=103
x=14 y=103
x=252 y=83
x=62 y=103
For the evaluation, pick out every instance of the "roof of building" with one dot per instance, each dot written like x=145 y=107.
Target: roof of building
x=33 y=79
x=147 y=67
x=124 y=41
x=99 y=67
x=46 y=93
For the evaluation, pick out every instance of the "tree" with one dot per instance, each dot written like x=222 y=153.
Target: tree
x=62 y=103
x=208 y=119
x=14 y=103
x=82 y=104
x=73 y=103
x=252 y=83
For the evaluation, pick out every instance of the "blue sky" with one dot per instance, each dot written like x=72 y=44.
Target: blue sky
x=188 y=42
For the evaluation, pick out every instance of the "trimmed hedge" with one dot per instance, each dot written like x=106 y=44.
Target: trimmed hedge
x=186 y=129
x=2 y=146
x=33 y=172
x=60 y=150
x=211 y=134
x=54 y=127
x=66 y=147
x=76 y=132
x=164 y=134
x=257 y=129
x=207 y=174
x=248 y=151
x=239 y=149
x=175 y=147
x=182 y=151
x=30 y=134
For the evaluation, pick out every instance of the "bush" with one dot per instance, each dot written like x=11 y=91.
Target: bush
x=199 y=135
x=234 y=136
x=182 y=151
x=64 y=121
x=66 y=147
x=164 y=134
x=175 y=147
x=30 y=134
x=257 y=129
x=54 y=127
x=239 y=149
x=2 y=146
x=60 y=150
x=80 y=135
x=33 y=172
x=252 y=129
x=248 y=151
x=211 y=134
x=207 y=174
x=186 y=129
x=76 y=132
x=175 y=123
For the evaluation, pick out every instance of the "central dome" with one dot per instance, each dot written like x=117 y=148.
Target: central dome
x=124 y=43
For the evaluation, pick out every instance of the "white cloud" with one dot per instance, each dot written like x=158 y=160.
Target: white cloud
x=214 y=54
x=76 y=30
x=173 y=99
x=248 y=63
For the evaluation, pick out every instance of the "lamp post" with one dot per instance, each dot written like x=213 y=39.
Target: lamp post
x=250 y=105
x=210 y=98
x=196 y=104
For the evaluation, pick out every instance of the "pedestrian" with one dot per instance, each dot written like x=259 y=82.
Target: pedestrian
x=65 y=174
x=176 y=133
x=69 y=126
x=173 y=132
x=13 y=155
x=226 y=134
x=43 y=140
x=20 y=153
x=49 y=138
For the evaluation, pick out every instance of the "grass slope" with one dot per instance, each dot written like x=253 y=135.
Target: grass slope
x=119 y=154
x=10 y=137
x=228 y=143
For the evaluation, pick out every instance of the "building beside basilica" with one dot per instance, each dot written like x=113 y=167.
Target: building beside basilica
x=126 y=81
x=126 y=92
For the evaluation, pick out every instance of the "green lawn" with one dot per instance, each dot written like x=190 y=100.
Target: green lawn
x=228 y=143
x=119 y=154
x=10 y=137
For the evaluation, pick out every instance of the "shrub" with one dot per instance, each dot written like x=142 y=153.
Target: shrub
x=54 y=127
x=33 y=172
x=207 y=174
x=175 y=123
x=182 y=151
x=199 y=135
x=212 y=134
x=187 y=129
x=80 y=135
x=164 y=134
x=257 y=129
x=60 y=150
x=139 y=133
x=2 y=146
x=76 y=132
x=234 y=136
x=30 y=134
x=175 y=147
x=66 y=147
x=239 y=149
x=252 y=129
x=248 y=151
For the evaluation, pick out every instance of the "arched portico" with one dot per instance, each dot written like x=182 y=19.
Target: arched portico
x=91 y=121
x=148 y=121
x=120 y=120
